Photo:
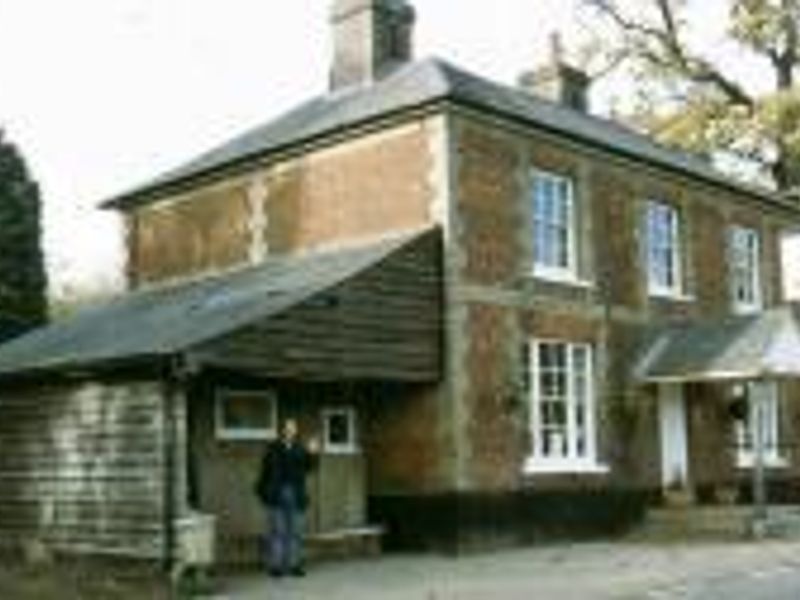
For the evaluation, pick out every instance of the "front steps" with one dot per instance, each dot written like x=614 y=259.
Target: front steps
x=783 y=522
x=717 y=523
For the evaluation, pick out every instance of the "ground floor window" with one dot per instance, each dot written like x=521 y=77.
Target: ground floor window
x=339 y=429
x=246 y=415
x=764 y=396
x=562 y=406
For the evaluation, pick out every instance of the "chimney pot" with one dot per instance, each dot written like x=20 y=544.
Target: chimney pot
x=371 y=39
x=558 y=81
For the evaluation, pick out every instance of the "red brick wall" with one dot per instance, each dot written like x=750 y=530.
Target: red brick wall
x=491 y=227
x=404 y=441
x=709 y=244
x=355 y=190
x=205 y=231
x=358 y=190
x=617 y=254
x=490 y=401
x=487 y=188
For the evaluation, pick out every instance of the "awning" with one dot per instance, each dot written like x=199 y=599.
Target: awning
x=763 y=345
x=339 y=292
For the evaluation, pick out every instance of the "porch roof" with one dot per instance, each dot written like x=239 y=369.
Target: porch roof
x=757 y=346
x=170 y=320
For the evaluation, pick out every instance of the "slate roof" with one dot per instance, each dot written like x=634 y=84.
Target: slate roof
x=417 y=85
x=738 y=347
x=169 y=320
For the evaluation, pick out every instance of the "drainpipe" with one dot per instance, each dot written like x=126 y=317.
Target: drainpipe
x=174 y=379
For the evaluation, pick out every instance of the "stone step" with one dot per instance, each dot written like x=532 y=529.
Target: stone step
x=248 y=551
x=715 y=523
x=783 y=522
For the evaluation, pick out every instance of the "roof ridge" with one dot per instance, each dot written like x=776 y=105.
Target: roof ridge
x=528 y=97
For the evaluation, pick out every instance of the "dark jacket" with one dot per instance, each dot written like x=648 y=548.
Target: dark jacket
x=284 y=465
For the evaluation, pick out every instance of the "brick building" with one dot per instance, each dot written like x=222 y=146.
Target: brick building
x=453 y=282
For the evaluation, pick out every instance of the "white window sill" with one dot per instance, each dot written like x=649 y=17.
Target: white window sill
x=254 y=435
x=538 y=466
x=562 y=278
x=341 y=450
x=770 y=462
x=673 y=295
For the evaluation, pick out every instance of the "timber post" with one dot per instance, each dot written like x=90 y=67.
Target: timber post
x=759 y=475
x=175 y=377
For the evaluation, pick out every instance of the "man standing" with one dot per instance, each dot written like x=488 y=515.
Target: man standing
x=282 y=488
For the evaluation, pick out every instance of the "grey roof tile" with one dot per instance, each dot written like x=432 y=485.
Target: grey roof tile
x=736 y=347
x=418 y=84
x=168 y=320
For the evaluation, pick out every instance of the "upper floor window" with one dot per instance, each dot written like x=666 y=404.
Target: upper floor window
x=663 y=249
x=553 y=226
x=562 y=398
x=744 y=269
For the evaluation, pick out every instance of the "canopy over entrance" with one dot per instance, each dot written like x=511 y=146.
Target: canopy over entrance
x=759 y=346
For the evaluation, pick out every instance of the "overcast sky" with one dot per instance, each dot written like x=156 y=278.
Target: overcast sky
x=104 y=94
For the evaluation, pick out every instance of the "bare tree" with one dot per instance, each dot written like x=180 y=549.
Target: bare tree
x=691 y=98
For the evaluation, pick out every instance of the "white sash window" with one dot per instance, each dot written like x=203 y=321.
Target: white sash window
x=562 y=414
x=744 y=269
x=663 y=249
x=554 y=227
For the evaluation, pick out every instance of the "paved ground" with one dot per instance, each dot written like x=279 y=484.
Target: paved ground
x=608 y=571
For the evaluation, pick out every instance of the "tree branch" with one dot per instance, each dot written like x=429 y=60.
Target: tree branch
x=675 y=57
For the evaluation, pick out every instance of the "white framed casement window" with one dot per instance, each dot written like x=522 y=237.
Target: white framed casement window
x=744 y=269
x=246 y=415
x=340 y=430
x=662 y=231
x=766 y=397
x=562 y=408
x=554 y=227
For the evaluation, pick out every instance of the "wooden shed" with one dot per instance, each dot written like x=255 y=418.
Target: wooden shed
x=118 y=423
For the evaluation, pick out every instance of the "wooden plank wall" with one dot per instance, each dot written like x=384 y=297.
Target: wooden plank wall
x=81 y=468
x=384 y=324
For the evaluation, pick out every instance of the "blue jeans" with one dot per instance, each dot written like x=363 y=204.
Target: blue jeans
x=286 y=527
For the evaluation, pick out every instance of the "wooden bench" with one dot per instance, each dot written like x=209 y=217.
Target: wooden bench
x=247 y=551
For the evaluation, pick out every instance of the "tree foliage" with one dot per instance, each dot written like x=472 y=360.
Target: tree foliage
x=22 y=274
x=694 y=99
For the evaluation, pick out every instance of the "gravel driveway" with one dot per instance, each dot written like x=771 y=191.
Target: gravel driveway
x=620 y=571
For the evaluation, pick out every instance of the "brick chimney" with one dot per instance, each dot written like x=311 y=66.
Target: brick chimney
x=557 y=81
x=371 y=38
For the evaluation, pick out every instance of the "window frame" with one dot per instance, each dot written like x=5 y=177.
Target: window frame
x=563 y=273
x=745 y=453
x=572 y=462
x=674 y=249
x=751 y=265
x=228 y=434
x=352 y=446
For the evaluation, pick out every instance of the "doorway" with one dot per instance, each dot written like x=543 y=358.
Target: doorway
x=674 y=438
